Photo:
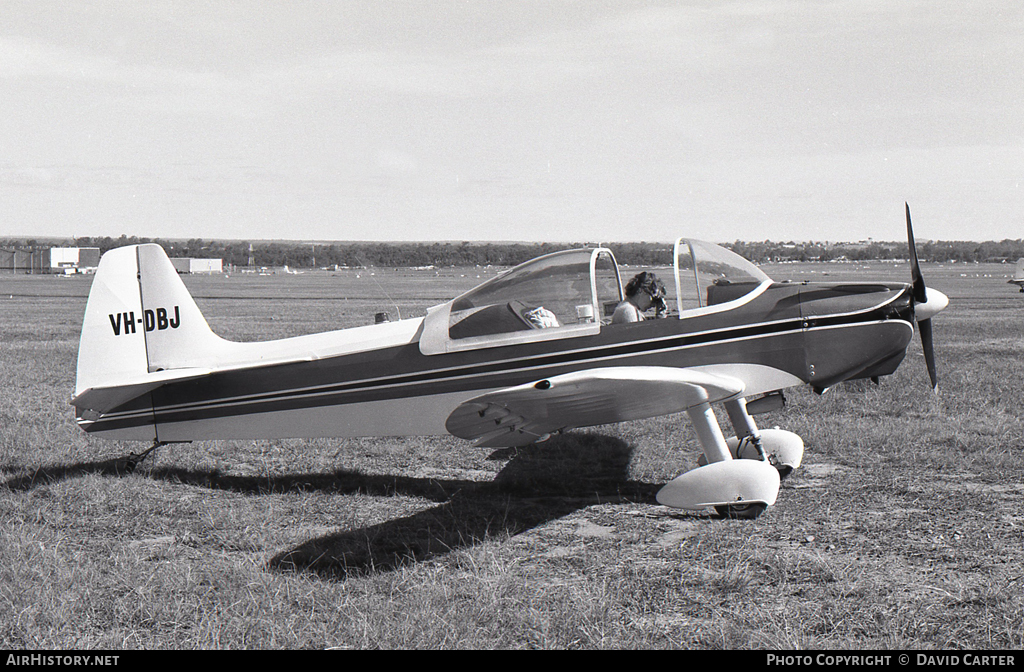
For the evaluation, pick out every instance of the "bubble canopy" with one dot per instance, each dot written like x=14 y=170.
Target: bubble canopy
x=574 y=293
x=707 y=274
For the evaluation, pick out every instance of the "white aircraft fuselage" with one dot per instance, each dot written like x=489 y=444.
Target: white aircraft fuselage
x=376 y=381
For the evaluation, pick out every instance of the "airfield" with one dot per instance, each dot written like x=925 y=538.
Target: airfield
x=904 y=528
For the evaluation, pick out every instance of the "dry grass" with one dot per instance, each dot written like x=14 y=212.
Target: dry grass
x=903 y=529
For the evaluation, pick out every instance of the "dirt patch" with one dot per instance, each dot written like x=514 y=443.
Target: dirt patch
x=812 y=475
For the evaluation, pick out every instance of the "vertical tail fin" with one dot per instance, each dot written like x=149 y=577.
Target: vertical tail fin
x=140 y=319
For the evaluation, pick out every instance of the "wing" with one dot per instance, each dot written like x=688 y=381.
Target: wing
x=520 y=415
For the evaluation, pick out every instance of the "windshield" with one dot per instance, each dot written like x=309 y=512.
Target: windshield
x=708 y=274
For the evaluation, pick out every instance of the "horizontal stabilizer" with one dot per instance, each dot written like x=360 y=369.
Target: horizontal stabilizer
x=103 y=399
x=525 y=413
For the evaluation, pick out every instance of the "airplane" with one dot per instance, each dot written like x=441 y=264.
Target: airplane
x=482 y=367
x=1018 y=275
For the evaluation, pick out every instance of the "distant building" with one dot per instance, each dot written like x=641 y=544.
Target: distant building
x=62 y=260
x=7 y=260
x=186 y=265
x=70 y=260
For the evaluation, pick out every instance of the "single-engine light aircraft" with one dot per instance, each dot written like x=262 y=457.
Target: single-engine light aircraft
x=526 y=354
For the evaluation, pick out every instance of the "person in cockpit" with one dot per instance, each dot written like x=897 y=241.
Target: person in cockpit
x=643 y=292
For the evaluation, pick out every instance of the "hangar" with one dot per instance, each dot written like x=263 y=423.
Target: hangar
x=186 y=265
x=57 y=260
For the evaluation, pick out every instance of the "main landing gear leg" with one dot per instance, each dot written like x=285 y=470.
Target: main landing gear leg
x=746 y=430
x=709 y=433
x=782 y=449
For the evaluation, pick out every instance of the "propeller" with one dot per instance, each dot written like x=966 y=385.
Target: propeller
x=927 y=302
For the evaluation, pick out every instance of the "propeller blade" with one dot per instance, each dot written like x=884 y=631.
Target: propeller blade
x=921 y=298
x=920 y=295
x=929 y=353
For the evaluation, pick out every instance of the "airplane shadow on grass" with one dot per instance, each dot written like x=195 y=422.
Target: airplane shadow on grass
x=539 y=483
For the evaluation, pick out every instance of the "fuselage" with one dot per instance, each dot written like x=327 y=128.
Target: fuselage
x=788 y=334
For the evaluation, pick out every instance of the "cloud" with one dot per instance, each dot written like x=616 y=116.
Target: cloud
x=30 y=58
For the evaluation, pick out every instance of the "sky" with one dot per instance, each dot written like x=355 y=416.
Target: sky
x=498 y=120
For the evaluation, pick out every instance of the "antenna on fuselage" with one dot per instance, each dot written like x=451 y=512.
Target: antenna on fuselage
x=366 y=265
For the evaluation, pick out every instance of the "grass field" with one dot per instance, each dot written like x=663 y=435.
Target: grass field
x=903 y=529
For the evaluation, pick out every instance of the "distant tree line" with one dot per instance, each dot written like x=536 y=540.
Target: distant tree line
x=397 y=254
x=931 y=250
